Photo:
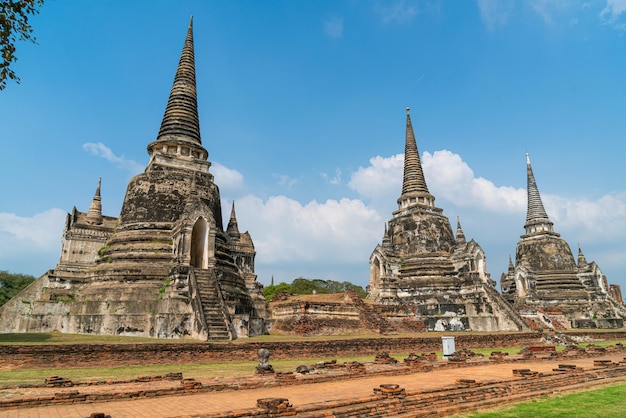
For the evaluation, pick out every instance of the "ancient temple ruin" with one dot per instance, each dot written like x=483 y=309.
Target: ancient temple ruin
x=166 y=267
x=548 y=286
x=421 y=265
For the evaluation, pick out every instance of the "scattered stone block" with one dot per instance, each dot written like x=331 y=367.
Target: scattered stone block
x=285 y=376
x=465 y=382
x=384 y=358
x=274 y=405
x=57 y=382
x=567 y=366
x=602 y=363
x=302 y=369
x=190 y=384
x=354 y=367
x=525 y=373
x=390 y=390
x=330 y=364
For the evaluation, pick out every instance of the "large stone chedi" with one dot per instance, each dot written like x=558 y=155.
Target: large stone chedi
x=166 y=268
x=547 y=285
x=420 y=264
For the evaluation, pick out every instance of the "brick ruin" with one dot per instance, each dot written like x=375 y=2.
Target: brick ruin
x=166 y=267
x=421 y=264
x=548 y=286
x=340 y=313
x=423 y=277
x=479 y=380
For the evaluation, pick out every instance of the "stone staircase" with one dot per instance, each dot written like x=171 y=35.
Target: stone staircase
x=368 y=317
x=503 y=306
x=212 y=306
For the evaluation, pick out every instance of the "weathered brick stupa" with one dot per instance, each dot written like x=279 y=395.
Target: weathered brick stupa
x=166 y=267
x=547 y=286
x=420 y=263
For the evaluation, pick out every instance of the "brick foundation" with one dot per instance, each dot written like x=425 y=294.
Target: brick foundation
x=14 y=357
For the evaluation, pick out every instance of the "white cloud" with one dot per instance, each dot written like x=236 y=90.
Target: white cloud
x=447 y=176
x=381 y=180
x=495 y=13
x=285 y=181
x=612 y=13
x=398 y=11
x=38 y=231
x=545 y=8
x=335 y=181
x=30 y=244
x=450 y=178
x=100 y=150
x=333 y=27
x=604 y=219
x=230 y=181
x=284 y=230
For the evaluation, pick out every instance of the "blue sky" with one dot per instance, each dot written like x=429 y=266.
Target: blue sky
x=302 y=111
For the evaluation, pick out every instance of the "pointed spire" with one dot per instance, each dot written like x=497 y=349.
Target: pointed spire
x=582 y=261
x=181 y=114
x=414 y=189
x=94 y=215
x=460 y=236
x=537 y=220
x=272 y=283
x=413 y=180
x=386 y=236
x=233 y=230
x=511 y=267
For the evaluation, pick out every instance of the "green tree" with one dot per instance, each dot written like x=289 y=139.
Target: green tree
x=270 y=291
x=358 y=289
x=14 y=26
x=302 y=286
x=12 y=284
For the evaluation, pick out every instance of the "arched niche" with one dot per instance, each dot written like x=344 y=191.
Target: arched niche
x=520 y=285
x=375 y=272
x=199 y=251
x=481 y=266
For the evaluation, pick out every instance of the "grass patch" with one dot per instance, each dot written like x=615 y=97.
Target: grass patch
x=62 y=338
x=196 y=371
x=608 y=401
x=602 y=343
x=487 y=351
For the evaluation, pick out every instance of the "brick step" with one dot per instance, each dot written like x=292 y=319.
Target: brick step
x=208 y=292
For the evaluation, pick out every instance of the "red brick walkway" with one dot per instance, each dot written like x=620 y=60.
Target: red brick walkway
x=208 y=404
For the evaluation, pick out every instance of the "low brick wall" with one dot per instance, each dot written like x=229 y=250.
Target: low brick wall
x=392 y=400
x=13 y=357
x=599 y=335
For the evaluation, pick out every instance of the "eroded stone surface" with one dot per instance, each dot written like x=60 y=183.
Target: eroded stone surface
x=420 y=264
x=548 y=286
x=166 y=267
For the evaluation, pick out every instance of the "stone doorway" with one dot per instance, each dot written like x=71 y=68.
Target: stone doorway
x=199 y=244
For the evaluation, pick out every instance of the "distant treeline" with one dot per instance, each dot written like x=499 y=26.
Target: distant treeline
x=12 y=284
x=302 y=286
